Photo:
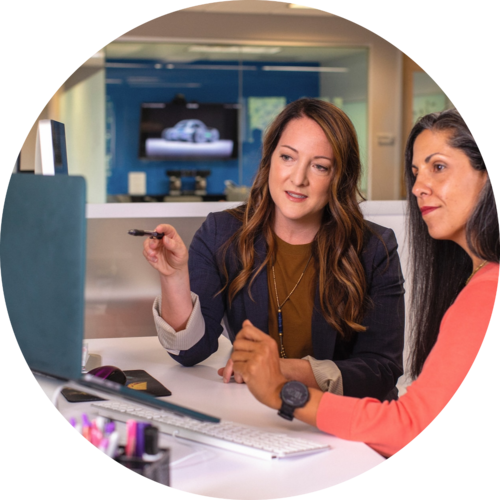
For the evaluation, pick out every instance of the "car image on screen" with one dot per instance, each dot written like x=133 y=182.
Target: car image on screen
x=191 y=131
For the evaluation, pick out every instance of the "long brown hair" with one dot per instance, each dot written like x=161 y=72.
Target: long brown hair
x=339 y=241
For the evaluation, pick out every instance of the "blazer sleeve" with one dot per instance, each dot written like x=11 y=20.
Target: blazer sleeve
x=206 y=282
x=375 y=360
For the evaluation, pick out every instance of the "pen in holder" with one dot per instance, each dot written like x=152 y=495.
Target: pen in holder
x=157 y=468
x=142 y=455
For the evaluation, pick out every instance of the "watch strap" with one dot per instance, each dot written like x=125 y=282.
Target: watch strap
x=286 y=411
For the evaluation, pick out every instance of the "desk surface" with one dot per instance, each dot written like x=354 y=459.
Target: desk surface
x=214 y=472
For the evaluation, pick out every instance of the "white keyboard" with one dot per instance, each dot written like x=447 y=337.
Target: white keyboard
x=227 y=435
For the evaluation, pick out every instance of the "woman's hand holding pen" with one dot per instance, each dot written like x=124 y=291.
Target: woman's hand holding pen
x=168 y=255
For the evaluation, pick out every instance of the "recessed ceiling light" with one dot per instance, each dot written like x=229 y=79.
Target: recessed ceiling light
x=234 y=49
x=297 y=6
x=313 y=69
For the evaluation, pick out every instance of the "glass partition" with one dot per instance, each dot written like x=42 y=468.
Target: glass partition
x=170 y=131
x=427 y=96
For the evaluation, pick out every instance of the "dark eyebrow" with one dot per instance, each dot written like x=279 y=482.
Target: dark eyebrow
x=428 y=159
x=430 y=156
x=293 y=149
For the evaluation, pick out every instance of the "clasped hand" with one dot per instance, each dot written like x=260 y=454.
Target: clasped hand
x=256 y=362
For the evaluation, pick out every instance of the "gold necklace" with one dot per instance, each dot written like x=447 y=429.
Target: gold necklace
x=475 y=271
x=280 y=316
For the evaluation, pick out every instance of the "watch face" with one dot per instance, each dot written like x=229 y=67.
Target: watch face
x=295 y=394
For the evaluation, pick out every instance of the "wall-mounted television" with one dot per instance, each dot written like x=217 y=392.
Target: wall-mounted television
x=188 y=131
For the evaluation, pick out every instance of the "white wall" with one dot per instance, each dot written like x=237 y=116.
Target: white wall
x=82 y=110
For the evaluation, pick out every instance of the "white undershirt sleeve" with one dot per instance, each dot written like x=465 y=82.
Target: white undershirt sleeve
x=327 y=374
x=173 y=341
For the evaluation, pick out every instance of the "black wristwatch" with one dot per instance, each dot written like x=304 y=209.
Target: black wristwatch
x=293 y=395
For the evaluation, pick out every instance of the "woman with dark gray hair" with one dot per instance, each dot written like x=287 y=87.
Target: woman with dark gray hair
x=455 y=250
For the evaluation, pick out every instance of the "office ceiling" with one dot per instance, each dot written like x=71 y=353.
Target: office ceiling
x=126 y=47
x=256 y=7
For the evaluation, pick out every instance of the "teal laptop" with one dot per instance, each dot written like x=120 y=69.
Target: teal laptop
x=42 y=259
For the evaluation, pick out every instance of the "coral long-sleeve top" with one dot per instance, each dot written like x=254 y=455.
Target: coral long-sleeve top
x=389 y=426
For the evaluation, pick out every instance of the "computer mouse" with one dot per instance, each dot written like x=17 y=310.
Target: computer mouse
x=109 y=373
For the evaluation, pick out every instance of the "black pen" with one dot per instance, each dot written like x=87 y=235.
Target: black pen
x=151 y=234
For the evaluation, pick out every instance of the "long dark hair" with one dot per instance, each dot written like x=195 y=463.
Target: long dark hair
x=440 y=268
x=337 y=245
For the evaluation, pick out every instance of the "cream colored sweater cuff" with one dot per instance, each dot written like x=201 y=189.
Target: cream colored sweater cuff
x=173 y=341
x=327 y=374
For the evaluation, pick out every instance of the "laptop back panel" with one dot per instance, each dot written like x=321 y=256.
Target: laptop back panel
x=42 y=260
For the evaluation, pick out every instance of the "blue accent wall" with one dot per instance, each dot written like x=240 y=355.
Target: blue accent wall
x=129 y=83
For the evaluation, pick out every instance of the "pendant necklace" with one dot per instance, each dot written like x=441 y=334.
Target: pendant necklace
x=475 y=271
x=280 y=317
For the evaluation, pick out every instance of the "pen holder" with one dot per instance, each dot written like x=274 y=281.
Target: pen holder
x=157 y=469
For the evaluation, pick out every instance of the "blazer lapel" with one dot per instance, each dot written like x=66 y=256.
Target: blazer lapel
x=323 y=335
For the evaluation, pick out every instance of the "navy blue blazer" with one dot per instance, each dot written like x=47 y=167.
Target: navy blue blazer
x=370 y=362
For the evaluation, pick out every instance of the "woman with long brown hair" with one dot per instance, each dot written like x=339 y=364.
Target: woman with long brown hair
x=454 y=249
x=298 y=260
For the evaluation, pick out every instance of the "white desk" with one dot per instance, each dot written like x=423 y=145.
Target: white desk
x=215 y=472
